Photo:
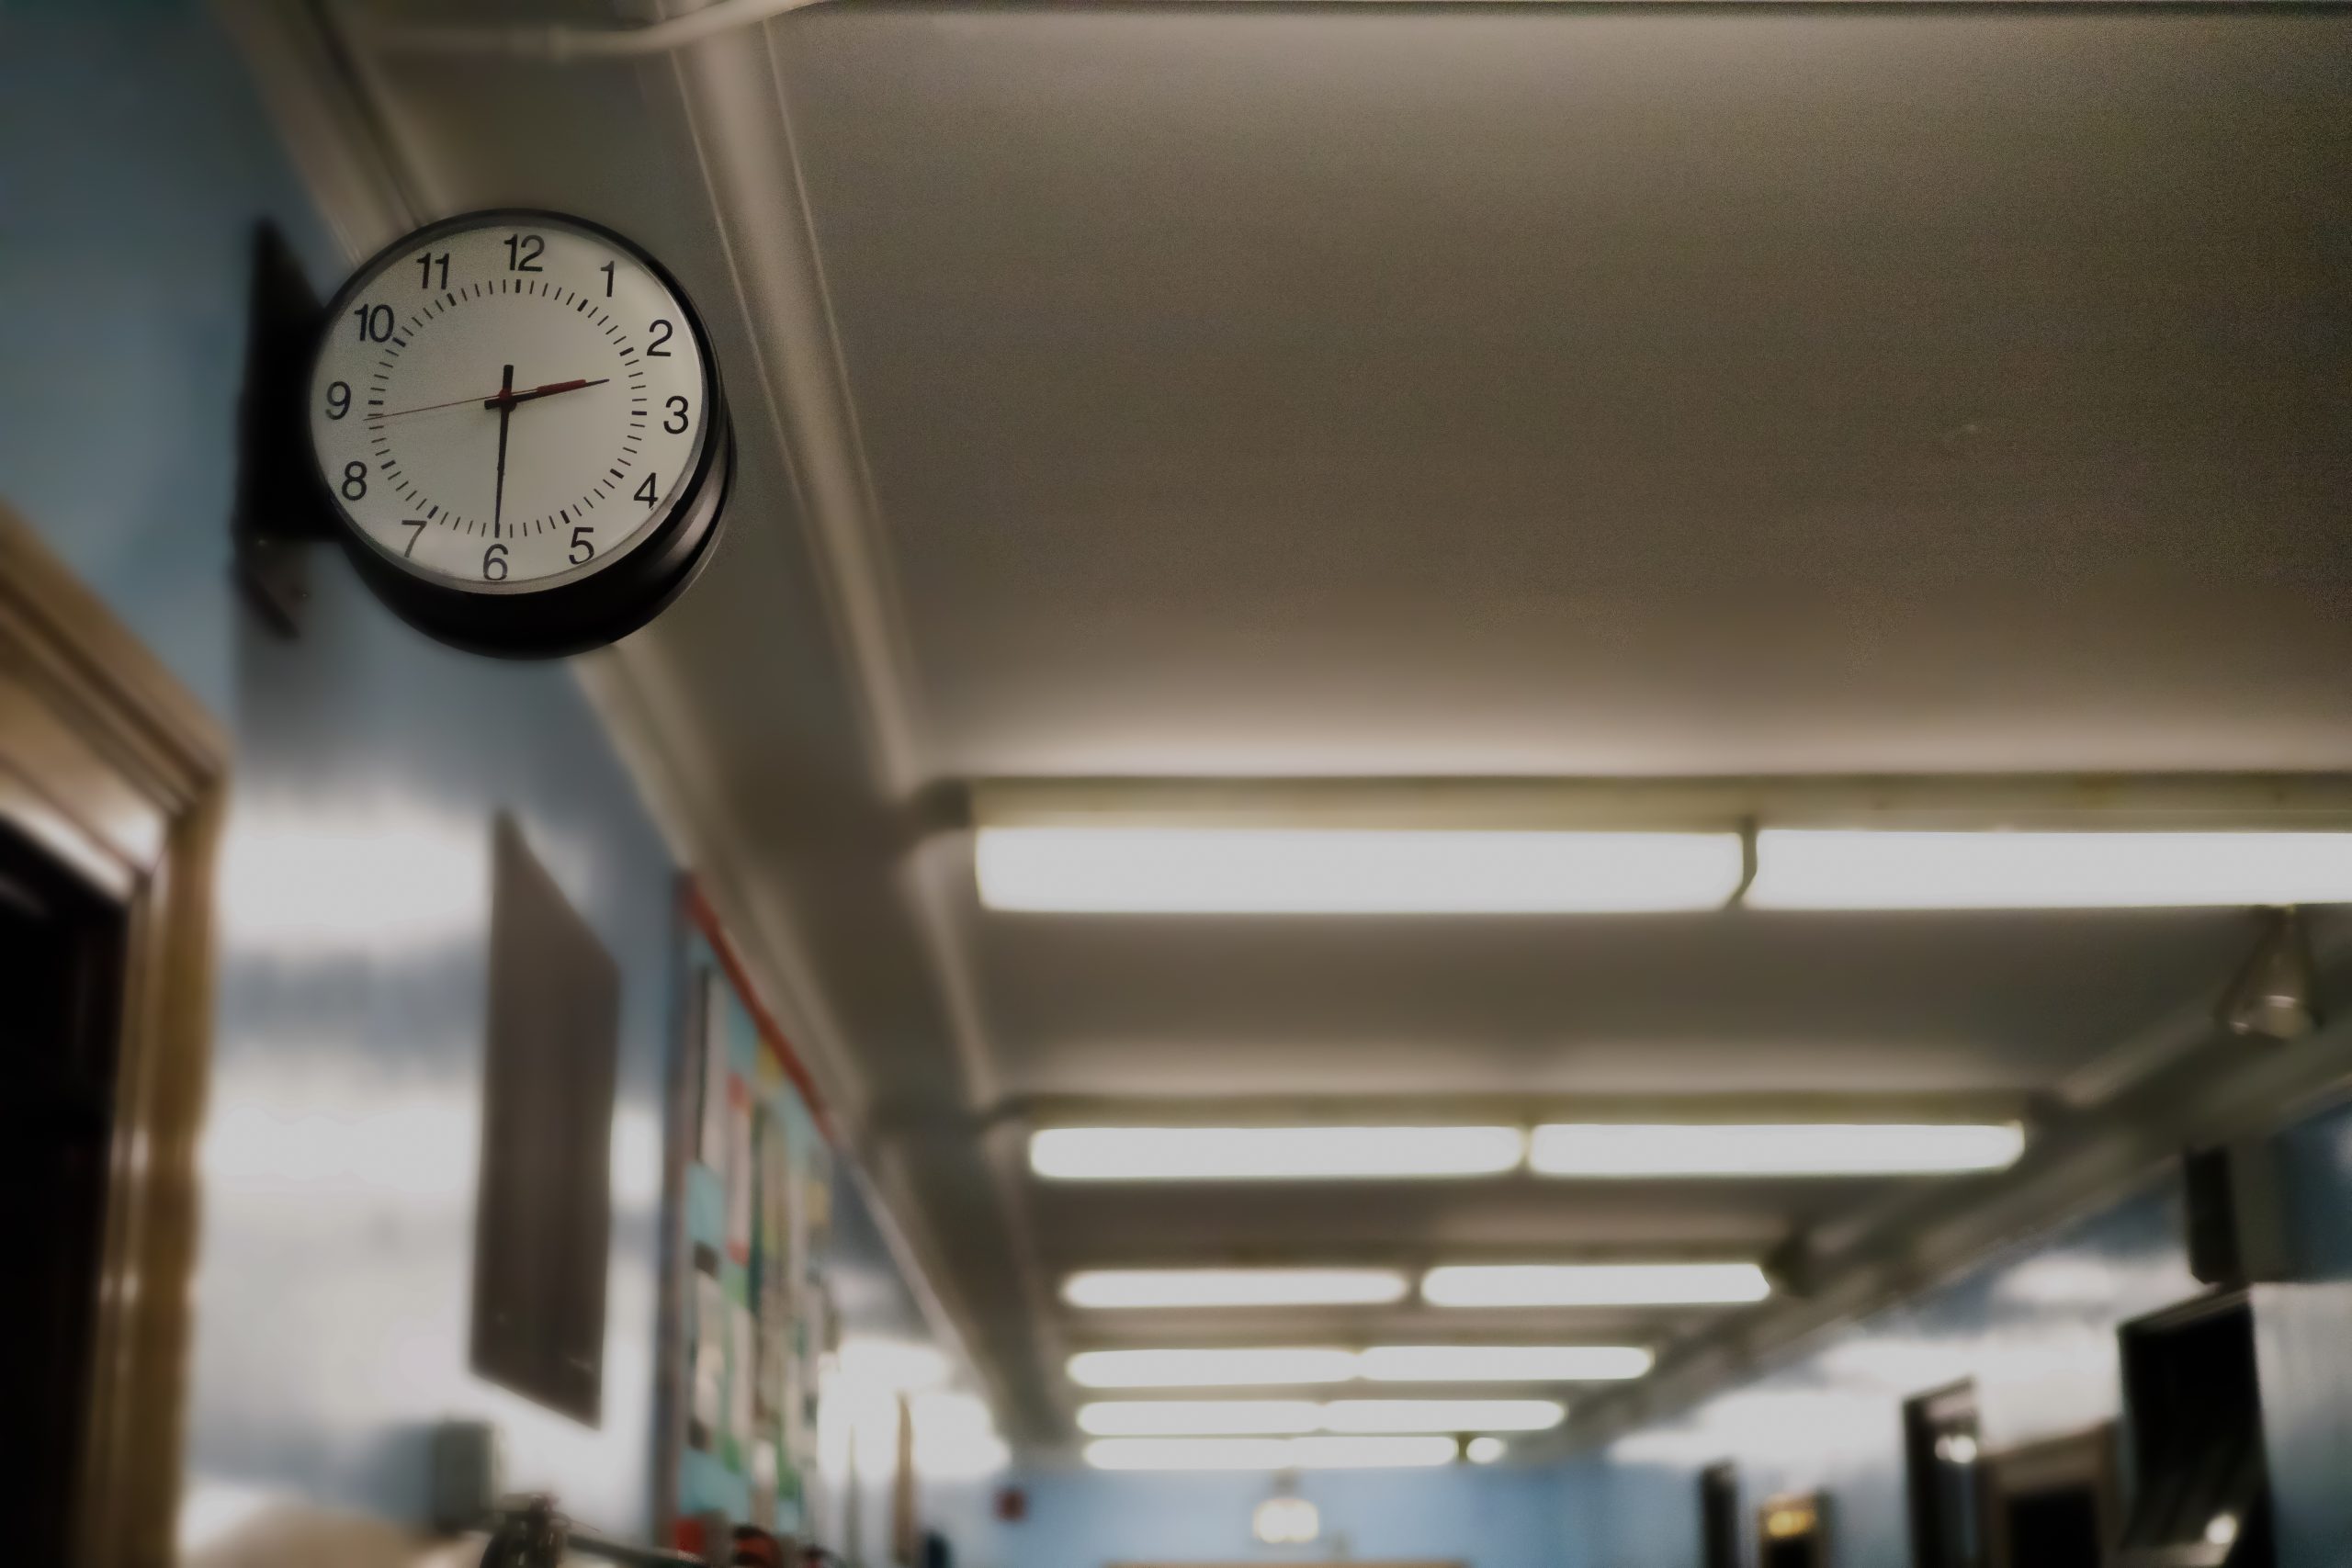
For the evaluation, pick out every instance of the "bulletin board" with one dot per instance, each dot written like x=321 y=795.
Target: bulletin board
x=750 y=1315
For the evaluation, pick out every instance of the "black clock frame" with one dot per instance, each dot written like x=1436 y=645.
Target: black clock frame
x=570 y=617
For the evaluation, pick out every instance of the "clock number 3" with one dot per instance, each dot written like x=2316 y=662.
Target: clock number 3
x=676 y=423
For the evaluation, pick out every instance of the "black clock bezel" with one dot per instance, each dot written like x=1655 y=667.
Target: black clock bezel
x=569 y=617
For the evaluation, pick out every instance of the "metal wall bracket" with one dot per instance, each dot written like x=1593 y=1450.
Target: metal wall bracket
x=278 y=506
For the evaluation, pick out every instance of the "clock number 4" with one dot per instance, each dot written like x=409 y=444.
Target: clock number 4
x=645 y=491
x=523 y=251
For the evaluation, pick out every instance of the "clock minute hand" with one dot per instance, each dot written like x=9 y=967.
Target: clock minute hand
x=505 y=404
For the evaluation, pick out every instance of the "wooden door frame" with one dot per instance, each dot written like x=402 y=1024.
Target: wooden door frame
x=110 y=764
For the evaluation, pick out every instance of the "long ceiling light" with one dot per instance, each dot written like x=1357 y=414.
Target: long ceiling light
x=1272 y=1154
x=1868 y=869
x=1351 y=871
x=1289 y=1417
x=1270 y=1453
x=1594 y=1284
x=1703 y=1149
x=1139 y=1288
x=1443 y=1414
x=1212 y=1368
x=1502 y=1363
x=1204 y=1417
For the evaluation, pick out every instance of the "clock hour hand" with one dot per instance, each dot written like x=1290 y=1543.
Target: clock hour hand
x=507 y=399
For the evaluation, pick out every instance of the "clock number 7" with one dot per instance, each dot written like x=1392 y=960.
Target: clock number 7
x=417 y=524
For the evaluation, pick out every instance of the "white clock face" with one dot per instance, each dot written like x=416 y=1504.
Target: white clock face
x=510 y=407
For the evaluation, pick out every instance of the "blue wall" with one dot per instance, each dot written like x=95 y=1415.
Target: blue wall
x=1491 y=1517
x=341 y=1145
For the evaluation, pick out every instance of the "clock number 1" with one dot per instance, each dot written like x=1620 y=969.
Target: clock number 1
x=607 y=270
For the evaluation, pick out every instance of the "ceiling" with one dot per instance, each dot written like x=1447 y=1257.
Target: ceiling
x=1250 y=392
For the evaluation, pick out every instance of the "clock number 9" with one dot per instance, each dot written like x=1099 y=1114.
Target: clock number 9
x=338 y=399
x=494 y=563
x=355 y=481
x=676 y=423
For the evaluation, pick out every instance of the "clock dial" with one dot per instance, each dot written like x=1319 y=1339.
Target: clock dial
x=512 y=403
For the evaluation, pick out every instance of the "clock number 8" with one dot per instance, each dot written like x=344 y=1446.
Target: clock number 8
x=355 y=481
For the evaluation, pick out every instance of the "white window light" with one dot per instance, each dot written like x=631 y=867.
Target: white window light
x=1285 y=1521
x=1137 y=1288
x=894 y=1366
x=1272 y=1154
x=1201 y=1417
x=1342 y=871
x=1485 y=1450
x=1594 y=1284
x=1443 y=1414
x=1211 y=1367
x=1701 y=1149
x=1870 y=869
x=1503 y=1363
x=1269 y=1453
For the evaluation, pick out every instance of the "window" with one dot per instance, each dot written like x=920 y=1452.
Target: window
x=2202 y=1495
x=543 y=1221
x=1939 y=1440
x=1793 y=1533
x=1719 y=1516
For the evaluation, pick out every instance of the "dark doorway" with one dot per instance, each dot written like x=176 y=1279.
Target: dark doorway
x=60 y=957
x=1719 y=1516
x=1939 y=1440
x=2055 y=1530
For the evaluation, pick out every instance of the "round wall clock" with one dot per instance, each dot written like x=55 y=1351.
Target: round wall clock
x=518 y=421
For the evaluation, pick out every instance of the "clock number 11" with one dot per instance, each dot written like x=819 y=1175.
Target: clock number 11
x=425 y=265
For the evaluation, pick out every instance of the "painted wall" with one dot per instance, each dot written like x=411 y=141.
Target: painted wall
x=341 y=1148
x=2036 y=1331
x=1493 y=1518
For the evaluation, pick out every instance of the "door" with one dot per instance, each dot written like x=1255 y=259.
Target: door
x=110 y=785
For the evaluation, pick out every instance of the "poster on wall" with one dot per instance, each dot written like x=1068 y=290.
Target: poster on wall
x=738 y=1172
x=712 y=1071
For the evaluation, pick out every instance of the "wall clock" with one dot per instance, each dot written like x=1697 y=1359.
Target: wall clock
x=519 y=423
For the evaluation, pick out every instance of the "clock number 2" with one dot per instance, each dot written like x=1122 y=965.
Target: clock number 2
x=494 y=563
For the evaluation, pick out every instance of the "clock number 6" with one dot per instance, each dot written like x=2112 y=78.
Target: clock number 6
x=494 y=563
x=676 y=423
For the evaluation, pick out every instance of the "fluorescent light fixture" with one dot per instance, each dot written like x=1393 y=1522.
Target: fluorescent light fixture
x=1372 y=1453
x=1210 y=1368
x=1351 y=871
x=1201 y=1417
x=1443 y=1414
x=1269 y=1453
x=1485 y=1450
x=1134 y=1288
x=1868 y=869
x=1594 y=1284
x=1503 y=1363
x=1190 y=1453
x=1630 y=1149
x=1272 y=1154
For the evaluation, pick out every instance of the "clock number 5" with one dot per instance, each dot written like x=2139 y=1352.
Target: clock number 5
x=494 y=563
x=676 y=423
x=582 y=548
